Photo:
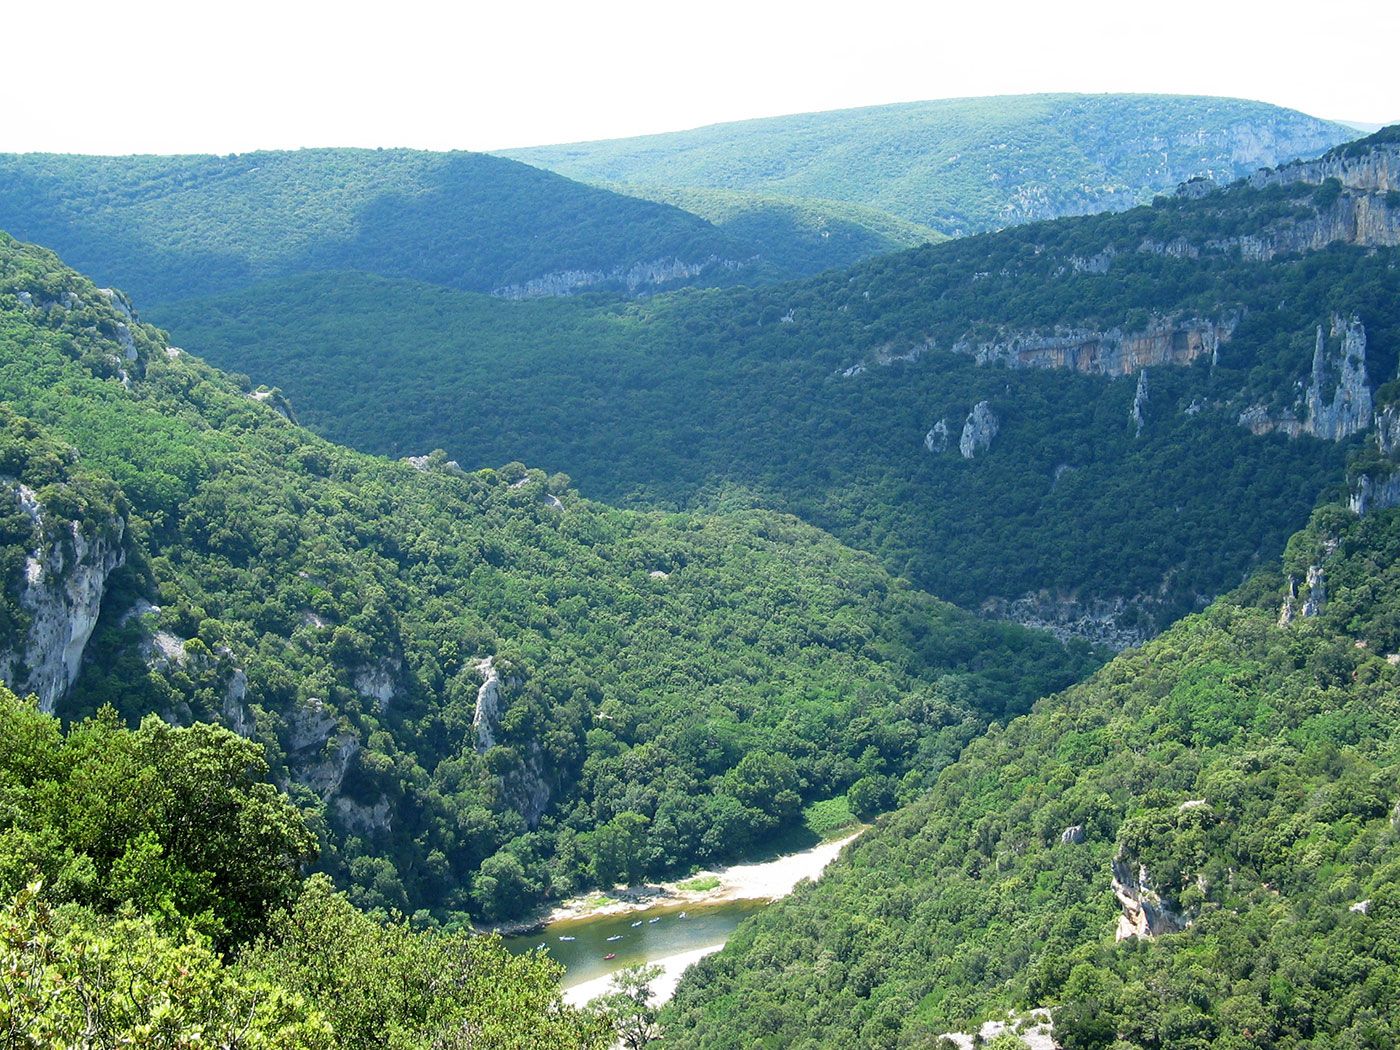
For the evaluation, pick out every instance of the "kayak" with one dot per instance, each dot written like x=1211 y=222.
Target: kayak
x=610 y=955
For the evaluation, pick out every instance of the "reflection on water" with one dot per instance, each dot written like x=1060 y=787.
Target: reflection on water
x=642 y=936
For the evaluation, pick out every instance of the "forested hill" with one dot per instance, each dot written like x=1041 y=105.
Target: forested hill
x=164 y=228
x=1142 y=406
x=1197 y=847
x=963 y=165
x=480 y=687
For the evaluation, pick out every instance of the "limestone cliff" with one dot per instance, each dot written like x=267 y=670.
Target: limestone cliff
x=64 y=581
x=1110 y=352
x=638 y=277
x=936 y=440
x=1337 y=402
x=1145 y=913
x=1139 y=402
x=1376 y=484
x=981 y=426
x=1348 y=409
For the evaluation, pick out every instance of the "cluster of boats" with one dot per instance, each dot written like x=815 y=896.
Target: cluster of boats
x=619 y=936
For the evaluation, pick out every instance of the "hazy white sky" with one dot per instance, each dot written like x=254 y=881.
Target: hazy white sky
x=203 y=76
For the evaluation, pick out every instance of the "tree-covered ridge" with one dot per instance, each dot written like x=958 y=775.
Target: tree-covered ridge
x=798 y=235
x=165 y=228
x=151 y=895
x=964 y=165
x=661 y=688
x=842 y=398
x=1237 y=776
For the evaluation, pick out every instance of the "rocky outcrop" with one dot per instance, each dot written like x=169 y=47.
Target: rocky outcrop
x=275 y=400
x=1317 y=591
x=486 y=718
x=1371 y=169
x=1362 y=212
x=1371 y=493
x=1111 y=352
x=65 y=579
x=936 y=440
x=1307 y=601
x=1035 y=1030
x=1144 y=912
x=1072 y=835
x=319 y=753
x=1139 y=402
x=236 y=713
x=978 y=431
x=1113 y=622
x=634 y=278
x=1379 y=487
x=379 y=682
x=1337 y=412
x=1337 y=402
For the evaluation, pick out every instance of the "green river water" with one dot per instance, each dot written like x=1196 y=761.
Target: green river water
x=643 y=936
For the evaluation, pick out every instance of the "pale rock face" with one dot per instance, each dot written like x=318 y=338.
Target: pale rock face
x=65 y=579
x=1035 y=1029
x=1102 y=621
x=359 y=819
x=634 y=278
x=275 y=401
x=1379 y=491
x=378 y=683
x=1348 y=410
x=936 y=440
x=1375 y=494
x=1144 y=914
x=237 y=715
x=1111 y=352
x=1388 y=430
x=978 y=431
x=1139 y=400
x=486 y=719
x=309 y=725
x=1072 y=835
x=1337 y=402
x=1317 y=591
x=318 y=755
x=1290 y=603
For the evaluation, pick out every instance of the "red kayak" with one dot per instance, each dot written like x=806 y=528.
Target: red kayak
x=610 y=955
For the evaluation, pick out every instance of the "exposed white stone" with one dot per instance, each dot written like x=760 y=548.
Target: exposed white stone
x=1139 y=400
x=65 y=579
x=1144 y=913
x=936 y=440
x=978 y=431
x=487 y=716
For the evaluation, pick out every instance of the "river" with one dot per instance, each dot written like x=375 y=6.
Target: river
x=671 y=927
x=643 y=937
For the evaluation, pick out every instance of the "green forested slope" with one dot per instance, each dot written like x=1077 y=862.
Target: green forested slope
x=163 y=228
x=151 y=895
x=799 y=235
x=963 y=165
x=1243 y=777
x=666 y=687
x=818 y=397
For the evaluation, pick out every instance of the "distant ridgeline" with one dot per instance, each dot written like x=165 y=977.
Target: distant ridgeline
x=480 y=688
x=1093 y=424
x=744 y=203
x=956 y=166
x=169 y=227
